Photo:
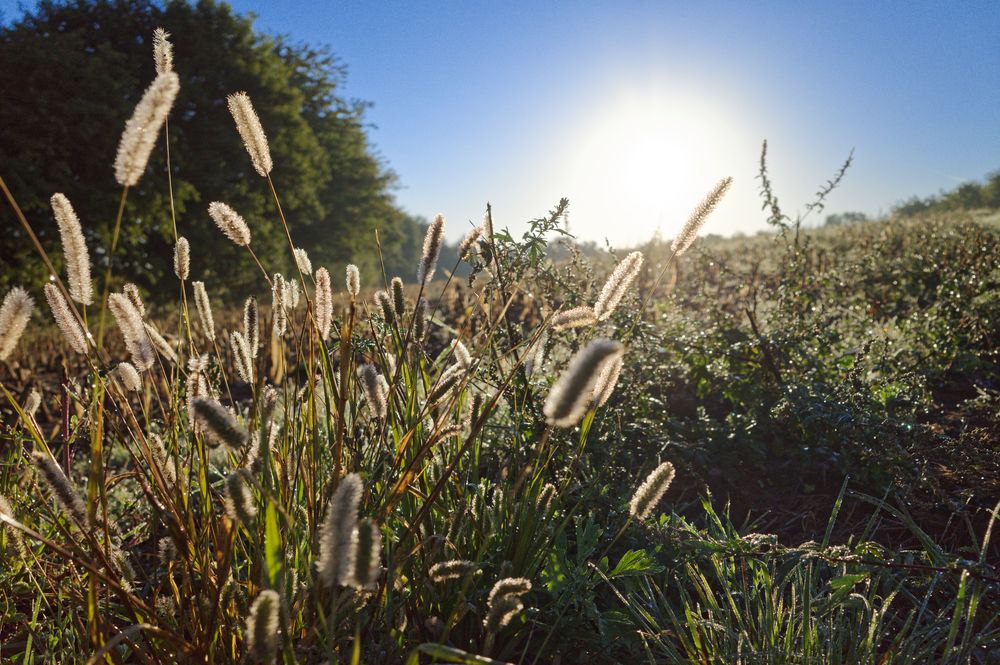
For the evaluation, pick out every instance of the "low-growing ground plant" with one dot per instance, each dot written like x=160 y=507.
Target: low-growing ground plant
x=455 y=472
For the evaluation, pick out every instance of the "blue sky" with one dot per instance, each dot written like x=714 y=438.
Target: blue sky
x=634 y=109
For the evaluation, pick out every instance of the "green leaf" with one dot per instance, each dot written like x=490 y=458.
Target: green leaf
x=634 y=563
x=847 y=581
x=272 y=545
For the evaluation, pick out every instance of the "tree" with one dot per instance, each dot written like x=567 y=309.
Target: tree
x=73 y=71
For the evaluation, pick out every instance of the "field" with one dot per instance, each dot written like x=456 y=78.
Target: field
x=778 y=449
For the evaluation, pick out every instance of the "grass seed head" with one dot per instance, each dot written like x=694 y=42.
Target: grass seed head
x=242 y=357
x=221 y=425
x=302 y=261
x=182 y=259
x=617 y=285
x=67 y=322
x=501 y=613
x=251 y=131
x=239 y=499
x=374 y=390
x=131 y=291
x=363 y=556
x=508 y=586
x=651 y=491
x=14 y=316
x=353 y=281
x=398 y=299
x=130 y=322
x=324 y=302
x=337 y=529
x=279 y=315
x=142 y=129
x=384 y=301
x=251 y=325
x=451 y=570
x=469 y=242
x=128 y=377
x=432 y=249
x=60 y=487
x=607 y=380
x=163 y=51
x=161 y=345
x=697 y=219
x=204 y=307
x=230 y=222
x=578 y=317
x=81 y=289
x=420 y=320
x=572 y=393
x=262 y=627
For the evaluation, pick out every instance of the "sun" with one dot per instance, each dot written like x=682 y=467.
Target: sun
x=641 y=161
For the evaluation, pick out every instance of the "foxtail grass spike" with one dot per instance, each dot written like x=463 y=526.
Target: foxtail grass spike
x=462 y=355
x=204 y=307
x=364 y=554
x=353 y=281
x=128 y=377
x=239 y=502
x=68 y=324
x=420 y=320
x=279 y=314
x=607 y=380
x=32 y=403
x=578 y=317
x=262 y=627
x=230 y=222
x=697 y=219
x=451 y=570
x=373 y=389
x=129 y=321
x=182 y=259
x=163 y=459
x=81 y=289
x=324 y=302
x=251 y=325
x=242 y=357
x=60 y=487
x=161 y=345
x=572 y=393
x=509 y=586
x=337 y=529
x=14 y=316
x=398 y=299
x=432 y=248
x=617 y=285
x=141 y=130
x=163 y=51
x=131 y=291
x=384 y=301
x=501 y=613
x=220 y=424
x=469 y=242
x=651 y=491
x=302 y=261
x=251 y=131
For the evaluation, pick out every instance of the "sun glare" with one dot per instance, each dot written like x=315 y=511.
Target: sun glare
x=643 y=161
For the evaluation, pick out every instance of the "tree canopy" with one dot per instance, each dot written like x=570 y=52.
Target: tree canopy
x=73 y=72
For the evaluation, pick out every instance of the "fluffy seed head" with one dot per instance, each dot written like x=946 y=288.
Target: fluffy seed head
x=182 y=259
x=450 y=570
x=129 y=321
x=509 y=586
x=578 y=317
x=373 y=389
x=432 y=248
x=469 y=242
x=651 y=491
x=545 y=497
x=32 y=403
x=163 y=51
x=220 y=424
x=384 y=301
x=68 y=324
x=241 y=356
x=230 y=223
x=571 y=395
x=302 y=261
x=502 y=612
x=420 y=320
x=81 y=289
x=698 y=217
x=324 y=302
x=353 y=281
x=204 y=307
x=14 y=315
x=248 y=125
x=462 y=355
x=607 y=380
x=337 y=529
x=60 y=487
x=128 y=377
x=262 y=626
x=143 y=127
x=162 y=459
x=362 y=561
x=239 y=500
x=616 y=286
x=161 y=345
x=398 y=300
x=279 y=315
x=5 y=509
x=251 y=325
x=131 y=291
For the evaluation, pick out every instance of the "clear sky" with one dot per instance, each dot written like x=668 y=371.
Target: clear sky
x=634 y=110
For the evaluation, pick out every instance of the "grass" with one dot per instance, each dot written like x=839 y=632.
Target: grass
x=299 y=519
